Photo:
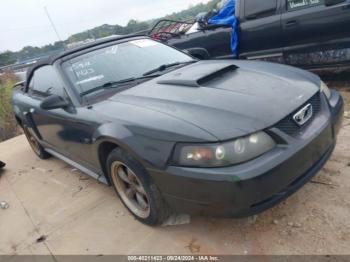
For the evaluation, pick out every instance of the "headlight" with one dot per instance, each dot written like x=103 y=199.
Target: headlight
x=325 y=90
x=224 y=154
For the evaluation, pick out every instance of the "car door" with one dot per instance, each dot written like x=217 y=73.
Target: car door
x=313 y=29
x=217 y=41
x=63 y=129
x=260 y=29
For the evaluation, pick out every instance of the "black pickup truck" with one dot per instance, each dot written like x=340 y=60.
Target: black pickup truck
x=304 y=33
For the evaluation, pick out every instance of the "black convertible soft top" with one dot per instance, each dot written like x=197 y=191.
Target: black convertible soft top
x=53 y=58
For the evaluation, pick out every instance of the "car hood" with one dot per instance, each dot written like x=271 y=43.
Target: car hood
x=224 y=97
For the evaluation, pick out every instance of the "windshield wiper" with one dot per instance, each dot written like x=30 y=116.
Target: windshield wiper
x=166 y=66
x=114 y=84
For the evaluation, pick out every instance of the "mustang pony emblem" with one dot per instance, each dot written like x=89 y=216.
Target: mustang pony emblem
x=303 y=115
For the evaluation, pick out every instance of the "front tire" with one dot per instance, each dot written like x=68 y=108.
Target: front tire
x=135 y=188
x=35 y=145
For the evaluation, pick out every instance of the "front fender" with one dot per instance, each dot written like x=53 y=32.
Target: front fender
x=150 y=152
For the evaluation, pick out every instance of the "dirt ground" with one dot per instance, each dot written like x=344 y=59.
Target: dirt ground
x=54 y=209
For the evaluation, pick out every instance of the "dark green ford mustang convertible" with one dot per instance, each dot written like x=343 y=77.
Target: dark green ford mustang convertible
x=223 y=138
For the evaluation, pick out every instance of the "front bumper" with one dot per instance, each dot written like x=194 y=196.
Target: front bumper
x=253 y=187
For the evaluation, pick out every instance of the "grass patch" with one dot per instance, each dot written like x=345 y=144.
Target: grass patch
x=8 y=125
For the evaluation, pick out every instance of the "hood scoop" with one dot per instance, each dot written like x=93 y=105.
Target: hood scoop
x=198 y=74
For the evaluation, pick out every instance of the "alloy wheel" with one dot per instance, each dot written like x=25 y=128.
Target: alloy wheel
x=32 y=141
x=130 y=189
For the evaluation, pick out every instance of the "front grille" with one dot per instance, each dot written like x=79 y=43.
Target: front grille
x=288 y=124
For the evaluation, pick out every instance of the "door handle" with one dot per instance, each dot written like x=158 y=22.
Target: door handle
x=86 y=141
x=291 y=23
x=31 y=111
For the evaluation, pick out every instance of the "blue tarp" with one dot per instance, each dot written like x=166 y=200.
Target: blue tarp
x=226 y=16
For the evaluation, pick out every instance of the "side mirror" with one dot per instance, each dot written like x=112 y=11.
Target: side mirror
x=333 y=2
x=54 y=102
x=199 y=53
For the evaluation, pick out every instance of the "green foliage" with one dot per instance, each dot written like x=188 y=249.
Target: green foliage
x=97 y=32
x=30 y=52
x=135 y=26
x=7 y=58
x=191 y=12
x=8 y=126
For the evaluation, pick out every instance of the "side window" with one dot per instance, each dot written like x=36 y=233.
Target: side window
x=31 y=83
x=299 y=4
x=257 y=8
x=46 y=82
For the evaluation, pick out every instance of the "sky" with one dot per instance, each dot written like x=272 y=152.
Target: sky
x=24 y=22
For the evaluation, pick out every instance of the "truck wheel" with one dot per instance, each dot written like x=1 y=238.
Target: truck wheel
x=136 y=189
x=34 y=144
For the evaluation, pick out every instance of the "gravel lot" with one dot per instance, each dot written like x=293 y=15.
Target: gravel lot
x=55 y=209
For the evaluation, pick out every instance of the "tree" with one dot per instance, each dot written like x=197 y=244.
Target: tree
x=134 y=26
x=7 y=58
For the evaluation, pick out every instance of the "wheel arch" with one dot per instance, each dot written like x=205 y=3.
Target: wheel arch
x=104 y=149
x=19 y=121
x=105 y=145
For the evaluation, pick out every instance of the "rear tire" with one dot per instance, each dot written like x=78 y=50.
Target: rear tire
x=35 y=145
x=135 y=188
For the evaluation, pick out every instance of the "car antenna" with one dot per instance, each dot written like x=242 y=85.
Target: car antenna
x=54 y=27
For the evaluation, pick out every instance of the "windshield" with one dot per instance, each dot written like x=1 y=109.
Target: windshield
x=119 y=62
